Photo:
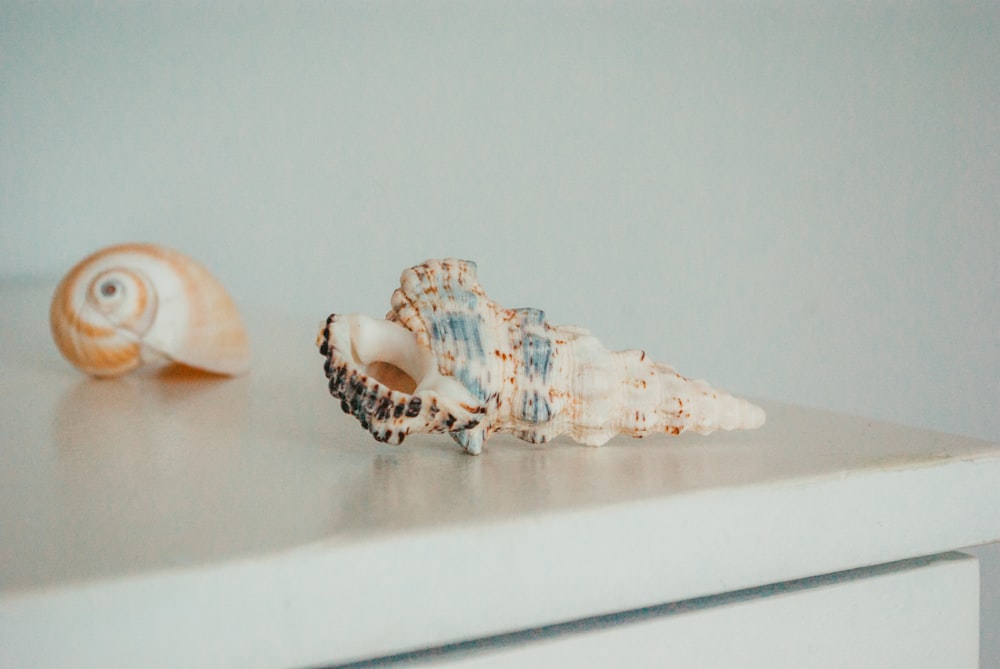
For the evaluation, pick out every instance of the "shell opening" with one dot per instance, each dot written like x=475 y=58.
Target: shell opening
x=389 y=353
x=392 y=377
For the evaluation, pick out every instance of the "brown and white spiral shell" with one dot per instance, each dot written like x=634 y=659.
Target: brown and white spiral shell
x=131 y=304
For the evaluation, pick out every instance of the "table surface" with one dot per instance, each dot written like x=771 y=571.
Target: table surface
x=255 y=502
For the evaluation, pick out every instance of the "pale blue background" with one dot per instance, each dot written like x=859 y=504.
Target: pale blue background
x=797 y=201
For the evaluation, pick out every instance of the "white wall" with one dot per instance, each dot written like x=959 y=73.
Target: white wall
x=797 y=201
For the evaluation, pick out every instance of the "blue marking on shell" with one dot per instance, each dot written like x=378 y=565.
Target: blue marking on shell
x=472 y=383
x=460 y=334
x=534 y=408
x=536 y=352
x=450 y=312
x=467 y=300
x=530 y=316
x=471 y=440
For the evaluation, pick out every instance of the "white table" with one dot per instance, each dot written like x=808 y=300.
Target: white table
x=171 y=520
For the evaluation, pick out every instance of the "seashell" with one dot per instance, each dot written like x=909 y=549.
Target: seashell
x=449 y=359
x=131 y=304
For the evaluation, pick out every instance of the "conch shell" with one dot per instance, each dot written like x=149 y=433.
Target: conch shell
x=131 y=304
x=449 y=359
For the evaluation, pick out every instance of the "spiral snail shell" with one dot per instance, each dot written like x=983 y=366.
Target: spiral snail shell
x=131 y=304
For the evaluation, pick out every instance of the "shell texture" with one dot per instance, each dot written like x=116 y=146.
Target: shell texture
x=132 y=304
x=449 y=359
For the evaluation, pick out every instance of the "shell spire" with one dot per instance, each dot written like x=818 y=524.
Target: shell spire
x=506 y=369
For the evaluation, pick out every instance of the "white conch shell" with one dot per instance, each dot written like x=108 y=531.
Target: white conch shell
x=449 y=359
x=131 y=304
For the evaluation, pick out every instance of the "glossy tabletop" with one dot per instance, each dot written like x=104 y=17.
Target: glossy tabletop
x=194 y=520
